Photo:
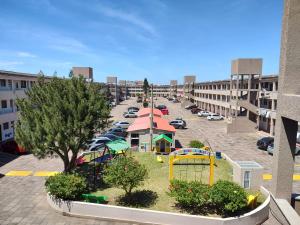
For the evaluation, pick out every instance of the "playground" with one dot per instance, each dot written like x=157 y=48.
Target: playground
x=154 y=193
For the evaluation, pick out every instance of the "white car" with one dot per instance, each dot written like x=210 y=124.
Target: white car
x=122 y=124
x=203 y=113
x=215 y=117
x=130 y=115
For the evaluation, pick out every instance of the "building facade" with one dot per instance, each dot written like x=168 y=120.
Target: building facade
x=13 y=86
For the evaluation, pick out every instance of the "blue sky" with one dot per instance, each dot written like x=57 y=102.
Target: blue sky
x=133 y=39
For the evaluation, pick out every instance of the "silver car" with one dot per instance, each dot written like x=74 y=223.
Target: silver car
x=215 y=117
x=122 y=124
x=203 y=113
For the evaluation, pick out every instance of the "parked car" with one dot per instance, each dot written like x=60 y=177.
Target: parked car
x=122 y=124
x=96 y=147
x=117 y=131
x=264 y=142
x=160 y=107
x=12 y=147
x=190 y=106
x=215 y=117
x=133 y=109
x=165 y=111
x=203 y=113
x=270 y=149
x=113 y=137
x=178 y=124
x=130 y=115
x=97 y=141
x=195 y=110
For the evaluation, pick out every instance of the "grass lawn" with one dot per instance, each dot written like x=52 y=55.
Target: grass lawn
x=158 y=179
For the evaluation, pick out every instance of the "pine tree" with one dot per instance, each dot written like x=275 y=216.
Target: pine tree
x=59 y=117
x=146 y=86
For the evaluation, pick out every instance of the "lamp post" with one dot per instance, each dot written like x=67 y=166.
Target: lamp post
x=151 y=119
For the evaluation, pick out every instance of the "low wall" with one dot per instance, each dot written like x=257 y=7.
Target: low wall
x=117 y=213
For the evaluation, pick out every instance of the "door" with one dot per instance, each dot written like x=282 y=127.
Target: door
x=162 y=146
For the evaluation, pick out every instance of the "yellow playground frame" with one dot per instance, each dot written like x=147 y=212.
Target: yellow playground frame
x=192 y=153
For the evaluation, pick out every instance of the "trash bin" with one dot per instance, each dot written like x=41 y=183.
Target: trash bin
x=218 y=155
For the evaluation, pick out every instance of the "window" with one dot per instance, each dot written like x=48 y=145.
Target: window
x=23 y=84
x=247 y=179
x=3 y=104
x=2 y=83
x=5 y=126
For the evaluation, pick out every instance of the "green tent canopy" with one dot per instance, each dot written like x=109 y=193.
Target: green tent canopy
x=162 y=136
x=118 y=146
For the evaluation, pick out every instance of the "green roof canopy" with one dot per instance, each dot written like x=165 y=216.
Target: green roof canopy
x=118 y=146
x=162 y=136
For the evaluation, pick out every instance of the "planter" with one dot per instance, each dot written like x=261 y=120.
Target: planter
x=118 y=213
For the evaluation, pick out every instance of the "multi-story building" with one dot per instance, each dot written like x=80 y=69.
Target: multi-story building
x=248 y=99
x=13 y=85
x=86 y=72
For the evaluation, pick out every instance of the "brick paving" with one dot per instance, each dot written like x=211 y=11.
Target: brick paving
x=23 y=199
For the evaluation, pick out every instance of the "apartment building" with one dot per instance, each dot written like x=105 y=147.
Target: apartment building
x=248 y=99
x=13 y=85
x=133 y=88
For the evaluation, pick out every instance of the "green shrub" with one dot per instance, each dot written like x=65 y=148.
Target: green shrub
x=191 y=195
x=196 y=144
x=229 y=197
x=145 y=104
x=66 y=186
x=125 y=173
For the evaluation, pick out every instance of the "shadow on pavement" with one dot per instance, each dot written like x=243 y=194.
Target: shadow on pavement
x=6 y=158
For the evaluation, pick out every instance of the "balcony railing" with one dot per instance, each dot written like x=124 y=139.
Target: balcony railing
x=6 y=88
x=6 y=110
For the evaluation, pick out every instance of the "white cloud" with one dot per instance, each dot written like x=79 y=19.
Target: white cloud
x=10 y=63
x=26 y=55
x=128 y=17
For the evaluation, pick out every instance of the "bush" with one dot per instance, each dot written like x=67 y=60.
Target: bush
x=196 y=144
x=229 y=197
x=190 y=195
x=125 y=173
x=145 y=104
x=66 y=186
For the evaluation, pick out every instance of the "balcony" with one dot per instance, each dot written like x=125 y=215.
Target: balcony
x=6 y=110
x=6 y=88
x=268 y=113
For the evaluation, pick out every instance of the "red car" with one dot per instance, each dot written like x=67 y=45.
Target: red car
x=13 y=147
x=165 y=111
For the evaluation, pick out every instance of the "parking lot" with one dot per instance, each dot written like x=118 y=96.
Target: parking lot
x=238 y=146
x=23 y=198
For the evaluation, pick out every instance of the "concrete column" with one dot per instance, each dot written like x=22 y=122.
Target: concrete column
x=249 y=87
x=288 y=94
x=283 y=158
x=272 y=127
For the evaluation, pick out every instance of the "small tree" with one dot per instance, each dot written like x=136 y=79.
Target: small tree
x=146 y=87
x=59 y=117
x=196 y=144
x=125 y=173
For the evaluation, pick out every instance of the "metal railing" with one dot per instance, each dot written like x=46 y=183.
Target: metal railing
x=6 y=110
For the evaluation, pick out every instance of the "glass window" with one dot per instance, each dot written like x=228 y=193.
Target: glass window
x=247 y=179
x=23 y=84
x=2 y=82
x=5 y=126
x=3 y=104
